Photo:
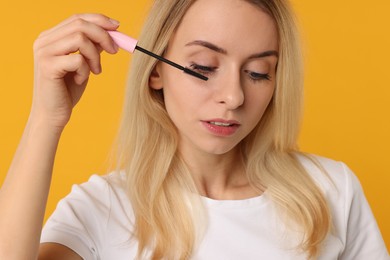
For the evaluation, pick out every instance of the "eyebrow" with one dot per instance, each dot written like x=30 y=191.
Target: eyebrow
x=215 y=48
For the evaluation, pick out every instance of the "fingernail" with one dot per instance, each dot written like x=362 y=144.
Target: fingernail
x=114 y=22
x=99 y=69
x=116 y=47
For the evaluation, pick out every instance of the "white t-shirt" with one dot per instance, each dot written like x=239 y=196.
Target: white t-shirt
x=96 y=221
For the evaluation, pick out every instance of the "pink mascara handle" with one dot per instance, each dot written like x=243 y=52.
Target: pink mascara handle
x=129 y=44
x=123 y=41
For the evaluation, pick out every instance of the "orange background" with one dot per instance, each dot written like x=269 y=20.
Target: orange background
x=347 y=89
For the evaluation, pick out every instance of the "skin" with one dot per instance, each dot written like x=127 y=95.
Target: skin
x=60 y=80
x=233 y=91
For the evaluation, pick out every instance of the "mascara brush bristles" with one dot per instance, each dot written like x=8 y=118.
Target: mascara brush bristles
x=186 y=70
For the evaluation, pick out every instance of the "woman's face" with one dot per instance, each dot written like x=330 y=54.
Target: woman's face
x=235 y=45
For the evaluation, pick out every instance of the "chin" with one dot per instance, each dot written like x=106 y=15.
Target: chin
x=220 y=150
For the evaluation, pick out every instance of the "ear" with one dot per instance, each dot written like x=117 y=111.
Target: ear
x=155 y=78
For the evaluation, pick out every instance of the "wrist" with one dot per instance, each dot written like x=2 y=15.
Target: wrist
x=40 y=125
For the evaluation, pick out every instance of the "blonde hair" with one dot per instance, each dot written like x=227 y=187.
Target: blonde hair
x=158 y=181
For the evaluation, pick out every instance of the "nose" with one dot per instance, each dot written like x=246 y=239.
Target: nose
x=230 y=92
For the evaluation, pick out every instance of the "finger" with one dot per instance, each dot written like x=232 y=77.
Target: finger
x=78 y=42
x=96 y=32
x=99 y=48
x=72 y=64
x=99 y=19
x=93 y=32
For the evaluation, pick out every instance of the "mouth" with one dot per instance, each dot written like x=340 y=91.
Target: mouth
x=221 y=127
x=217 y=123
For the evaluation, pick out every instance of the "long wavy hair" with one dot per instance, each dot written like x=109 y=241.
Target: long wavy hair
x=159 y=184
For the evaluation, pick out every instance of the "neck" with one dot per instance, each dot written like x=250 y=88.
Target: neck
x=221 y=176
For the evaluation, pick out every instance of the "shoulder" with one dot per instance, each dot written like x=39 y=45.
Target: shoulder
x=100 y=188
x=354 y=226
x=338 y=182
x=114 y=180
x=96 y=217
x=329 y=174
x=106 y=194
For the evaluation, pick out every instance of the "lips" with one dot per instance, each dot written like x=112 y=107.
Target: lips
x=222 y=122
x=221 y=127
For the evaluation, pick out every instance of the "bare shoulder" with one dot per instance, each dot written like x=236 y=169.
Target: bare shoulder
x=56 y=251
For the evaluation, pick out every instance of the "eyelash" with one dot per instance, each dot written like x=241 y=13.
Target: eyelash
x=255 y=76
x=206 y=70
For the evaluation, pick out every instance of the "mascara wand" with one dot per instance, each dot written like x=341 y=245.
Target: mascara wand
x=129 y=44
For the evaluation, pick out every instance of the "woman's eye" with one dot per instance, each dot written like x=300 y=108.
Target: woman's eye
x=255 y=76
x=205 y=70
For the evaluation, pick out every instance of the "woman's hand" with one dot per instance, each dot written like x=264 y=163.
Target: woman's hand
x=64 y=57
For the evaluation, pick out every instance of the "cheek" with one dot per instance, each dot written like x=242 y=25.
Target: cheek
x=259 y=102
x=180 y=101
x=182 y=92
x=176 y=102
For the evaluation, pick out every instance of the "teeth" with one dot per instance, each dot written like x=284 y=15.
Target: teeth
x=220 y=124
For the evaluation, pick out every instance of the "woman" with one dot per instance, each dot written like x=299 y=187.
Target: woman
x=206 y=170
